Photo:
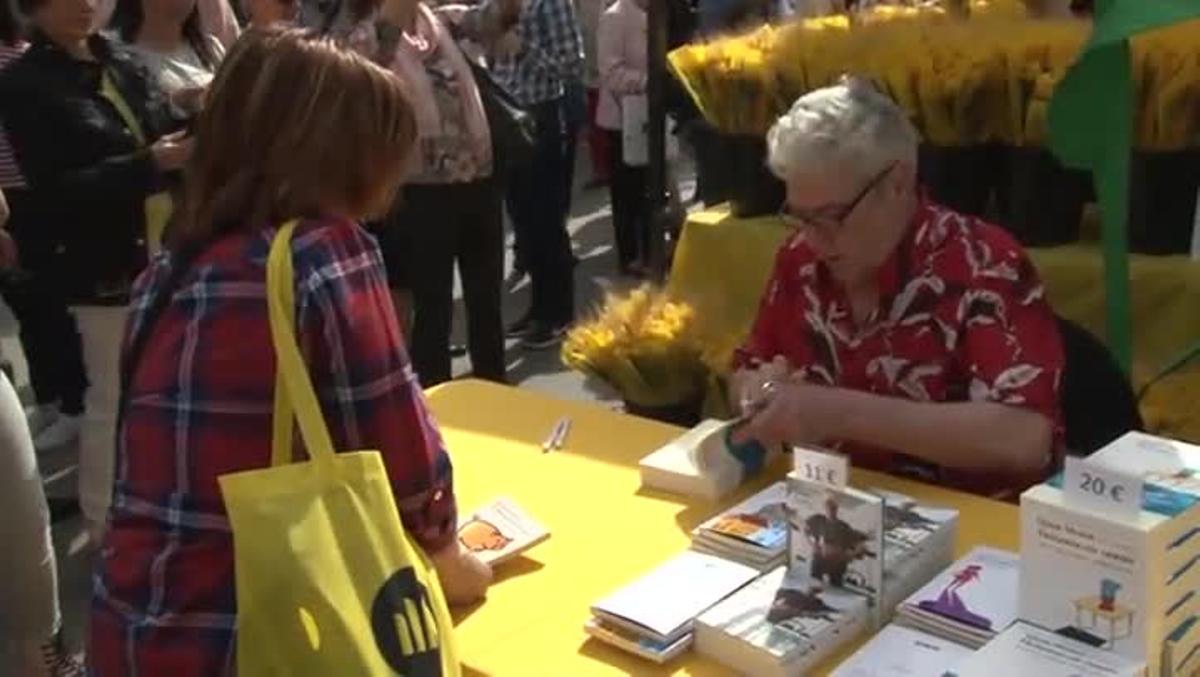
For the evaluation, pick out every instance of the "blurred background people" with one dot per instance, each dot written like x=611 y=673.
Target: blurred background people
x=170 y=39
x=89 y=134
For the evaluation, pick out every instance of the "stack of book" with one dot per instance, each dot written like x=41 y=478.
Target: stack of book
x=1127 y=583
x=652 y=617
x=754 y=532
x=1030 y=651
x=970 y=603
x=781 y=624
x=918 y=542
x=897 y=651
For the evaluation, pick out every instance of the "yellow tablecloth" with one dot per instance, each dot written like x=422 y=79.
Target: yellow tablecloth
x=722 y=264
x=605 y=531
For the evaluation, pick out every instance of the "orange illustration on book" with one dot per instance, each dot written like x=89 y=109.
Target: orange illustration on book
x=480 y=535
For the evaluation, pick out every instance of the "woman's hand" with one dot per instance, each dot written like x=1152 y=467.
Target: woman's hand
x=465 y=578
x=792 y=413
x=172 y=151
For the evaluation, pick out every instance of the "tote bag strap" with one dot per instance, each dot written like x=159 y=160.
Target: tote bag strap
x=294 y=392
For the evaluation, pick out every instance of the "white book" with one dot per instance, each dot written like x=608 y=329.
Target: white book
x=1029 y=651
x=757 y=524
x=897 y=651
x=662 y=604
x=658 y=652
x=837 y=536
x=780 y=624
x=694 y=464
x=978 y=592
x=499 y=531
x=918 y=542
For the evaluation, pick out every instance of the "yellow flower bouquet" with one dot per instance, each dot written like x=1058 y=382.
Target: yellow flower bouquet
x=646 y=345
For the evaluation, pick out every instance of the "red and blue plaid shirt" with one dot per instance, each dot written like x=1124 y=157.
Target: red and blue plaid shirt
x=199 y=406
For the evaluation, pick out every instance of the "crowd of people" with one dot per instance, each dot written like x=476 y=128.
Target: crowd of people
x=151 y=149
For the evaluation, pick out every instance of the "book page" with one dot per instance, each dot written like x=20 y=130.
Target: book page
x=898 y=651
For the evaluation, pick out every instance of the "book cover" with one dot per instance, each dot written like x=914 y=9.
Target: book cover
x=658 y=652
x=499 y=531
x=836 y=536
x=907 y=524
x=897 y=651
x=662 y=604
x=1030 y=651
x=760 y=521
x=780 y=619
x=1095 y=578
x=978 y=591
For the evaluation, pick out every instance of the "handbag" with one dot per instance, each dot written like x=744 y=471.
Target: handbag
x=513 y=127
x=328 y=582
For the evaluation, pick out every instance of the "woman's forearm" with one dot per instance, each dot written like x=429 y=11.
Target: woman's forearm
x=965 y=435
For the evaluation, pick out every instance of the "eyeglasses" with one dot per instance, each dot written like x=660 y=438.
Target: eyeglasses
x=831 y=218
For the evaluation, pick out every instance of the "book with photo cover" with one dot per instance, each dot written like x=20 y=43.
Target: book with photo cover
x=658 y=652
x=836 y=536
x=757 y=525
x=781 y=624
x=1029 y=651
x=970 y=602
x=662 y=604
x=897 y=651
x=499 y=531
x=918 y=542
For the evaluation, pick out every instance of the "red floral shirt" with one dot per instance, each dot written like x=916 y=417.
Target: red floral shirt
x=961 y=317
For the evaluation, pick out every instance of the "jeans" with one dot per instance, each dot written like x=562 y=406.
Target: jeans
x=630 y=208
x=434 y=227
x=102 y=328
x=539 y=211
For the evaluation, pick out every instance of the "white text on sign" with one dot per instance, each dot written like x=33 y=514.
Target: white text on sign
x=821 y=467
x=1112 y=491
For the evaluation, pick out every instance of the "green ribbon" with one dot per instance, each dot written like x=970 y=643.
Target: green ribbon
x=1091 y=127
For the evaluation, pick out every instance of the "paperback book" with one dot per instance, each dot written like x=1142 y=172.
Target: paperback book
x=690 y=465
x=836 y=536
x=499 y=531
x=754 y=532
x=661 y=605
x=970 y=602
x=781 y=624
x=651 y=650
x=897 y=651
x=1029 y=651
x=1123 y=583
x=918 y=542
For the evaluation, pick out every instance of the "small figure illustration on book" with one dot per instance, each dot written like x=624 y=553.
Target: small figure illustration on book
x=949 y=604
x=791 y=603
x=835 y=544
x=479 y=535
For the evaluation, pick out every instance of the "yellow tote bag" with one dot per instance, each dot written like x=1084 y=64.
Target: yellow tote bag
x=328 y=582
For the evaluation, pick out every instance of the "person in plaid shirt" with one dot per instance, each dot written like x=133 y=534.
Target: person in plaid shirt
x=200 y=363
x=905 y=333
x=538 y=62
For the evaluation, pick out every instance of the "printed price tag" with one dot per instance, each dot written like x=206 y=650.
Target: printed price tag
x=822 y=467
x=1106 y=489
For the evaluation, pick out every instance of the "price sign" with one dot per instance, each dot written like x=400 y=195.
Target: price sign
x=821 y=467
x=1102 y=488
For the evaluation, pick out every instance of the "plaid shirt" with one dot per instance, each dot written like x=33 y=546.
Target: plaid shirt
x=199 y=406
x=551 y=52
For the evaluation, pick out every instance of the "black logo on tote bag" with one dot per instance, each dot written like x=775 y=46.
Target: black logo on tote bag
x=406 y=630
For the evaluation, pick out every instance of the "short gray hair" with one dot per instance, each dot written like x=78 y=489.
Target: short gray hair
x=851 y=123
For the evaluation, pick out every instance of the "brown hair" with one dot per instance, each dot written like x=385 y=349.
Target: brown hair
x=294 y=126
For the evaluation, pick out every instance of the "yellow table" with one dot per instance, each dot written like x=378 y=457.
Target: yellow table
x=606 y=531
x=722 y=265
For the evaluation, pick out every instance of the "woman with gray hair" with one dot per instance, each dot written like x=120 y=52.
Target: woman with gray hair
x=915 y=339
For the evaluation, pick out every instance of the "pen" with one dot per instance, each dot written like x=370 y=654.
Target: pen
x=553 y=440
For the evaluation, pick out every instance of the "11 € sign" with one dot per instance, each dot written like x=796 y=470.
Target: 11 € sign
x=821 y=466
x=1093 y=485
